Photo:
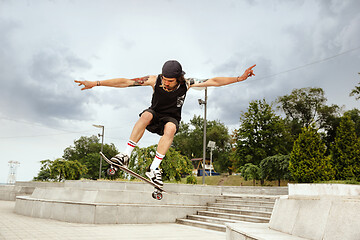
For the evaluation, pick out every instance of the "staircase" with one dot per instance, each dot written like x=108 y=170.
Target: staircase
x=232 y=209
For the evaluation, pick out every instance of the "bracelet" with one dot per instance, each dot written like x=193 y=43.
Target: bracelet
x=98 y=83
x=237 y=79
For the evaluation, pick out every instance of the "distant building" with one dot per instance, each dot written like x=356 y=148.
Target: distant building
x=198 y=167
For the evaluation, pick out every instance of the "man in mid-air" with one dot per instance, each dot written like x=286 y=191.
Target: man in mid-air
x=164 y=114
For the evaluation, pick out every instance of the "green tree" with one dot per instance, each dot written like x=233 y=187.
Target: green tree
x=356 y=92
x=141 y=159
x=250 y=172
x=174 y=165
x=308 y=162
x=305 y=106
x=346 y=151
x=189 y=141
x=354 y=114
x=261 y=134
x=86 y=151
x=61 y=169
x=275 y=168
x=44 y=173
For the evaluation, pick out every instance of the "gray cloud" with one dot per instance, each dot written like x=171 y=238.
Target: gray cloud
x=40 y=89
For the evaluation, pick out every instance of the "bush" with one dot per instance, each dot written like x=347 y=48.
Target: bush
x=191 y=180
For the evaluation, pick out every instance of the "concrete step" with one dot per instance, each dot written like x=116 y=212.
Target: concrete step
x=253 y=198
x=202 y=218
x=245 y=202
x=240 y=212
x=242 y=207
x=202 y=224
x=232 y=209
x=238 y=217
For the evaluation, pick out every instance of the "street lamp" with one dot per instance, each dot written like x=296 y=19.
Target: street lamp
x=211 y=145
x=204 y=102
x=102 y=143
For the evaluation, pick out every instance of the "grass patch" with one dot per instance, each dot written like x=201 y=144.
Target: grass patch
x=354 y=182
x=232 y=180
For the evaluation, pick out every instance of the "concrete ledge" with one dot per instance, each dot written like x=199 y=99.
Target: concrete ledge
x=119 y=197
x=109 y=206
x=255 y=231
x=335 y=190
x=9 y=192
x=178 y=188
x=319 y=212
x=113 y=202
x=311 y=211
x=324 y=218
x=101 y=213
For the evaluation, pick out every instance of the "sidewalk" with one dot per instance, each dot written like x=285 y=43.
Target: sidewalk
x=14 y=226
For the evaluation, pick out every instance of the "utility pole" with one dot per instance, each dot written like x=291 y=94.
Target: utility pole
x=102 y=143
x=202 y=102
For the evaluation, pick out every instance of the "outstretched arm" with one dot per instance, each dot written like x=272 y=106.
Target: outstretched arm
x=221 y=81
x=119 y=82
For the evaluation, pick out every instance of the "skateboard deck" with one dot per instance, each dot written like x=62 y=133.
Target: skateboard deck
x=157 y=194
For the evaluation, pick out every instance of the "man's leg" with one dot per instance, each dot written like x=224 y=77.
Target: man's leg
x=166 y=139
x=163 y=146
x=136 y=135
x=140 y=126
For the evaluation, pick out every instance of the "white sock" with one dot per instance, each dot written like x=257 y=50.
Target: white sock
x=130 y=147
x=157 y=160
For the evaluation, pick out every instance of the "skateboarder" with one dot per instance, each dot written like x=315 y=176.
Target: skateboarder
x=164 y=114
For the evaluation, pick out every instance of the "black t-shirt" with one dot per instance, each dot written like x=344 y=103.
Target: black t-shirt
x=168 y=103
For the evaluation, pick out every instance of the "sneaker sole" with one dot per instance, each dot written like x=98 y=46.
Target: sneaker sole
x=116 y=161
x=149 y=177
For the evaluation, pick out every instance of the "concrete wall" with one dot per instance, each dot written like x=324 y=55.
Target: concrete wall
x=100 y=213
x=119 y=197
x=179 y=188
x=121 y=202
x=34 y=184
x=9 y=192
x=340 y=190
x=319 y=212
x=109 y=206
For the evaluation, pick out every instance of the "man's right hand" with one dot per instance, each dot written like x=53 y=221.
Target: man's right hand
x=87 y=84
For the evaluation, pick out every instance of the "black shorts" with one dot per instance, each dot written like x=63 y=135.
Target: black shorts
x=158 y=122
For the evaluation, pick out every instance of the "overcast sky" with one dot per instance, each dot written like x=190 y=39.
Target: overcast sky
x=45 y=45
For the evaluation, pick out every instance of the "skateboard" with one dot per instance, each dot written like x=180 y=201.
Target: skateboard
x=157 y=194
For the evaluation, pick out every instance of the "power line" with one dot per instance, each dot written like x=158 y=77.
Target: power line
x=308 y=64
x=64 y=132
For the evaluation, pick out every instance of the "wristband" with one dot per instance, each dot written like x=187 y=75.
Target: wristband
x=98 y=83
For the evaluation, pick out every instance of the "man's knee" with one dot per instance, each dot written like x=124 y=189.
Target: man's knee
x=170 y=129
x=146 y=117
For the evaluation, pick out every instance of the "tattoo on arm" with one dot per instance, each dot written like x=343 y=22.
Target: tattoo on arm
x=193 y=81
x=139 y=81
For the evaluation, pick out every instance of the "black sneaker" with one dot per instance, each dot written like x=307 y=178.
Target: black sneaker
x=121 y=159
x=155 y=176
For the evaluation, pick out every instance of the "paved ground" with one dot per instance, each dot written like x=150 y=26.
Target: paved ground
x=14 y=226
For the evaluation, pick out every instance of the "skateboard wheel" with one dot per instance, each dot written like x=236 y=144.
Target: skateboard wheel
x=159 y=196
x=111 y=171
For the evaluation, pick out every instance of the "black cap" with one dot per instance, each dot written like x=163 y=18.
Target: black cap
x=172 y=69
